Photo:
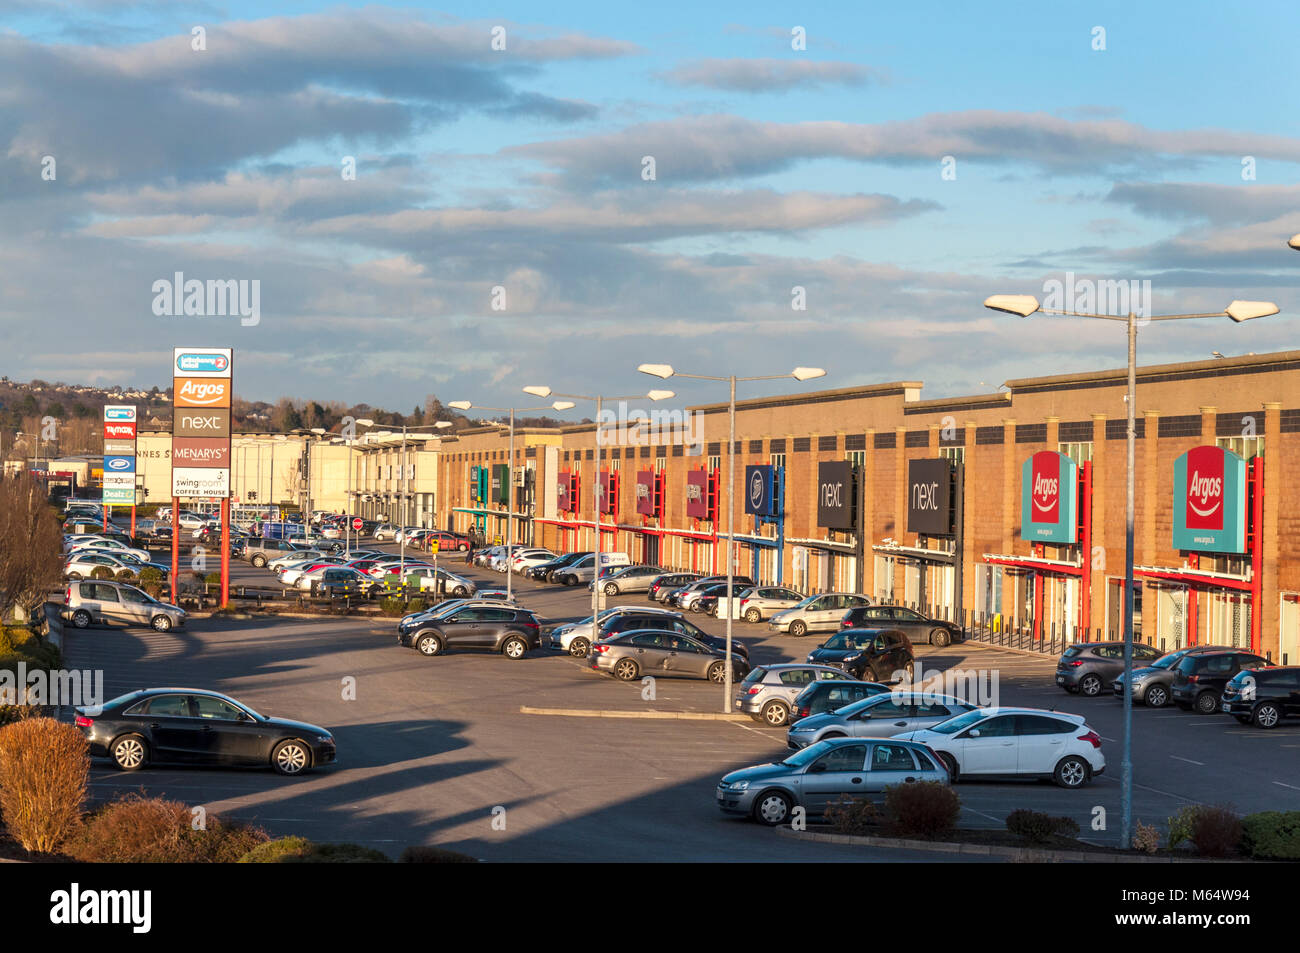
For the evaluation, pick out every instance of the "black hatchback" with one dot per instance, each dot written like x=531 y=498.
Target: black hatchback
x=195 y=726
x=1263 y=697
x=1199 y=680
x=828 y=694
x=506 y=629
x=877 y=655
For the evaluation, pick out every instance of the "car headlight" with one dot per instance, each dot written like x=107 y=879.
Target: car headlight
x=738 y=785
x=327 y=739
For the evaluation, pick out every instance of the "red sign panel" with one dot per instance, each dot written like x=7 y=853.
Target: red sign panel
x=119 y=431
x=1205 y=488
x=697 y=494
x=1045 y=494
x=562 y=502
x=357 y=524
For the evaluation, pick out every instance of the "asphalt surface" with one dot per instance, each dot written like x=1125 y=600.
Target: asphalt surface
x=437 y=751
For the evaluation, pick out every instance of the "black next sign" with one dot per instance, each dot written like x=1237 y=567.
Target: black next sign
x=929 y=496
x=835 y=482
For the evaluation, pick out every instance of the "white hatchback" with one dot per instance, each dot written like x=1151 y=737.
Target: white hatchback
x=1016 y=742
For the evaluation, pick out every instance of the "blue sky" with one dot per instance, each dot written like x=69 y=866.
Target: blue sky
x=520 y=169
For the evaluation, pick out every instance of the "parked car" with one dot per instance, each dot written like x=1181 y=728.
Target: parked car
x=543 y=572
x=1199 y=680
x=87 y=602
x=767 y=692
x=821 y=613
x=683 y=598
x=630 y=655
x=823 y=774
x=82 y=565
x=290 y=575
x=194 y=726
x=830 y=695
x=878 y=655
x=706 y=603
x=630 y=579
x=880 y=716
x=647 y=618
x=662 y=586
x=111 y=546
x=524 y=558
x=761 y=602
x=447 y=542
x=1088 y=667
x=918 y=627
x=385 y=532
x=413 y=620
x=1263 y=696
x=584 y=569
x=427 y=577
x=1153 y=683
x=507 y=629
x=576 y=637
x=1015 y=742
x=482 y=557
x=259 y=551
x=340 y=581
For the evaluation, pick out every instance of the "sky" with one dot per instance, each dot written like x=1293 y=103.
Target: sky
x=452 y=201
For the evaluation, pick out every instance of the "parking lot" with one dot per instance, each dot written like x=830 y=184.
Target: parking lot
x=432 y=750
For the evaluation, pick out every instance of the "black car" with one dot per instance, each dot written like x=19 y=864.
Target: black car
x=667 y=622
x=663 y=586
x=1089 y=667
x=919 y=628
x=707 y=601
x=544 y=570
x=195 y=726
x=1199 y=680
x=506 y=629
x=875 y=655
x=1263 y=696
x=829 y=694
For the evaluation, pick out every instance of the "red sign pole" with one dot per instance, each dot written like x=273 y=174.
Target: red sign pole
x=133 y=521
x=1085 y=541
x=1256 y=536
x=225 y=552
x=176 y=550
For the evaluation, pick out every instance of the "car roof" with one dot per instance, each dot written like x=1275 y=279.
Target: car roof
x=787 y=666
x=1049 y=712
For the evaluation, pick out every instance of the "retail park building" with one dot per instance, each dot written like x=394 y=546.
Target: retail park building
x=1046 y=445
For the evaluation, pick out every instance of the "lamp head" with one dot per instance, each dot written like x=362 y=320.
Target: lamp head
x=1023 y=305
x=538 y=390
x=656 y=370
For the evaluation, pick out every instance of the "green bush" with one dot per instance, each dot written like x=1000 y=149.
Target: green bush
x=1039 y=828
x=392 y=607
x=923 y=809
x=435 y=855
x=150 y=575
x=1214 y=830
x=213 y=579
x=125 y=575
x=20 y=644
x=1180 y=825
x=1273 y=835
x=852 y=816
x=278 y=851
x=101 y=572
x=299 y=850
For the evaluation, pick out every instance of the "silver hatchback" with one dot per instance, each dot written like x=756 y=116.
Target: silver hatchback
x=90 y=601
x=880 y=716
x=768 y=692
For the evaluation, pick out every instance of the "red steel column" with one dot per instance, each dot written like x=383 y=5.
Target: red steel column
x=176 y=550
x=1085 y=542
x=1256 y=552
x=225 y=552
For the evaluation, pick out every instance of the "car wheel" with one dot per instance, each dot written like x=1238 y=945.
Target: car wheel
x=1090 y=685
x=798 y=627
x=514 y=647
x=81 y=619
x=753 y=615
x=611 y=589
x=259 y=562
x=579 y=648
x=772 y=808
x=626 y=669
x=460 y=592
x=1071 y=772
x=130 y=753
x=567 y=581
x=429 y=645
x=461 y=548
x=950 y=764
x=714 y=612
x=910 y=670
x=291 y=757
x=161 y=623
x=1267 y=715
x=1207 y=703
x=74 y=576
x=940 y=638
x=718 y=672
x=775 y=714
x=1156 y=697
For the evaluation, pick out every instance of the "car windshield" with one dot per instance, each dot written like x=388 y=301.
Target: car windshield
x=807 y=755
x=806 y=602
x=1168 y=661
x=845 y=640
x=755 y=675
x=954 y=725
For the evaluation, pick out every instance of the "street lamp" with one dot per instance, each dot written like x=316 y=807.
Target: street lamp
x=510 y=506
x=666 y=371
x=347 y=495
x=404 y=489
x=539 y=390
x=1294 y=242
x=1025 y=305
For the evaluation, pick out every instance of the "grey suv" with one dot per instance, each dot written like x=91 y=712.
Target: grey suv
x=768 y=692
x=260 y=551
x=1088 y=667
x=499 y=628
x=1153 y=685
x=90 y=601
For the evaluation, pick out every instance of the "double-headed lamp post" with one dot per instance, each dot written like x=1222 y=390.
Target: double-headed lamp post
x=1025 y=305
x=540 y=390
x=347 y=520
x=666 y=371
x=510 y=479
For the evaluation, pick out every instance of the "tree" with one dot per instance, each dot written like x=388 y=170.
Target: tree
x=31 y=544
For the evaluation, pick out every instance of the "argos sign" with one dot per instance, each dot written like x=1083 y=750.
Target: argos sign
x=1049 y=494
x=1210 y=501
x=201 y=392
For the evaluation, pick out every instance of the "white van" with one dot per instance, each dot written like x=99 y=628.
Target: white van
x=581 y=571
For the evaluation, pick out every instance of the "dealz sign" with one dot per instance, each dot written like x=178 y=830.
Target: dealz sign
x=1049 y=496
x=1210 y=501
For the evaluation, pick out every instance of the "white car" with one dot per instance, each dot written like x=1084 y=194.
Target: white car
x=113 y=548
x=819 y=613
x=1016 y=742
x=576 y=637
x=292 y=574
x=426 y=577
x=525 y=558
x=385 y=531
x=81 y=565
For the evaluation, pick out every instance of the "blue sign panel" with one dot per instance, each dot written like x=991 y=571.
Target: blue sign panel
x=119 y=464
x=759 y=490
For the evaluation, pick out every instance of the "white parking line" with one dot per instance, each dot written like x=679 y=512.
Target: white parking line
x=1188 y=760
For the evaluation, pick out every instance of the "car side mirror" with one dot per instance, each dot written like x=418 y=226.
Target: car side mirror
x=817 y=768
x=974 y=733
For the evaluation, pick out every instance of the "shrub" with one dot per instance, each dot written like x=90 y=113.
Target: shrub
x=299 y=850
x=152 y=830
x=1039 y=828
x=101 y=572
x=125 y=575
x=392 y=607
x=12 y=713
x=925 y=809
x=151 y=576
x=213 y=579
x=1272 y=834
x=277 y=851
x=43 y=769
x=1214 y=830
x=18 y=643
x=852 y=816
x=435 y=855
x=1180 y=825
x=1146 y=838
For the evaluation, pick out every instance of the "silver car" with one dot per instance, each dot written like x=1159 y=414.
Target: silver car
x=820 y=613
x=760 y=602
x=630 y=579
x=816 y=777
x=89 y=601
x=879 y=716
x=576 y=637
x=768 y=691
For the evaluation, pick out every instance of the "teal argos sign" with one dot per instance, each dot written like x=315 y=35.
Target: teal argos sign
x=1049 y=499
x=1210 y=501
